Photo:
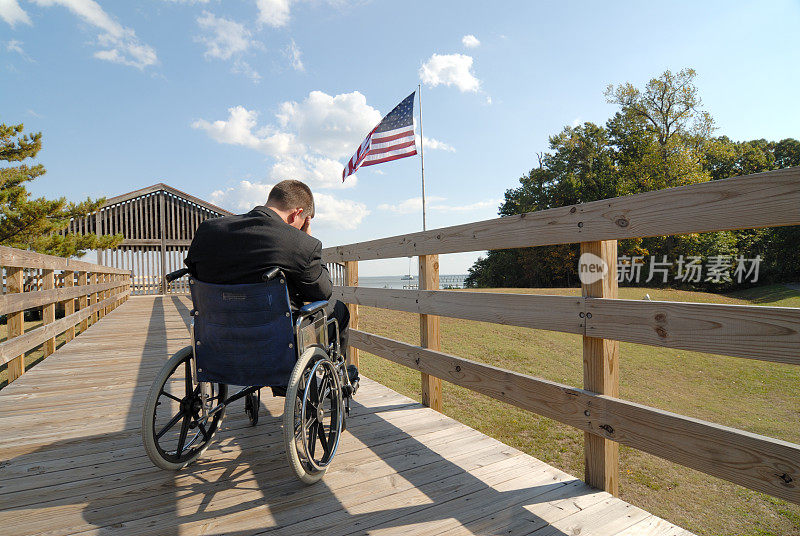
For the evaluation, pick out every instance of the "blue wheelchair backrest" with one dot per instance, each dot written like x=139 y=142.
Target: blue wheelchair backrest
x=243 y=333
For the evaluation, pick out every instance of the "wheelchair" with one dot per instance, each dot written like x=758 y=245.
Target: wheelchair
x=247 y=335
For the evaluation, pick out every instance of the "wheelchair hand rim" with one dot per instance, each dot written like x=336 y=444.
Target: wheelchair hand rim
x=327 y=456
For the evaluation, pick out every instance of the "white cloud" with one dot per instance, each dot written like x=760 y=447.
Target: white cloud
x=242 y=67
x=436 y=145
x=339 y=213
x=277 y=13
x=242 y=197
x=331 y=212
x=449 y=70
x=307 y=139
x=433 y=203
x=273 y=12
x=330 y=125
x=119 y=43
x=224 y=37
x=295 y=56
x=239 y=130
x=489 y=100
x=470 y=41
x=12 y=13
x=491 y=203
x=316 y=171
x=15 y=46
x=409 y=206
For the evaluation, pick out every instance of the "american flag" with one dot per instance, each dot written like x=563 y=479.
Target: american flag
x=393 y=138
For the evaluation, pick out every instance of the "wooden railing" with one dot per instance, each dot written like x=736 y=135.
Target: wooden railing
x=33 y=281
x=765 y=333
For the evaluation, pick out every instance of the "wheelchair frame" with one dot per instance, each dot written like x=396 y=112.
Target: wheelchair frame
x=245 y=391
x=314 y=353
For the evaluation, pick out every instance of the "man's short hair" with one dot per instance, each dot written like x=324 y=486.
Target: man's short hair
x=292 y=194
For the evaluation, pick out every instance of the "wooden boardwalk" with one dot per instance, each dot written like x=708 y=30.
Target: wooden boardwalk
x=72 y=462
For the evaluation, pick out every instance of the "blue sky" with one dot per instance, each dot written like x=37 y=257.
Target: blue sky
x=222 y=99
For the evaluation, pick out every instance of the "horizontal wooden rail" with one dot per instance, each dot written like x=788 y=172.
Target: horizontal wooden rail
x=13 y=347
x=770 y=199
x=555 y=313
x=155 y=242
x=756 y=462
x=19 y=258
x=12 y=303
x=753 y=332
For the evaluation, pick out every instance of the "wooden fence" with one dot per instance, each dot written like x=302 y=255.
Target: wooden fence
x=31 y=281
x=765 y=333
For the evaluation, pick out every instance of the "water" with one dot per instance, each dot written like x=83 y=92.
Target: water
x=397 y=281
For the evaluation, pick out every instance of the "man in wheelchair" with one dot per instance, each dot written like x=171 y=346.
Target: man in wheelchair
x=250 y=275
x=241 y=248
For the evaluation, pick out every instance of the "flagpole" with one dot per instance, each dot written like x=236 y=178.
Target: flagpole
x=421 y=155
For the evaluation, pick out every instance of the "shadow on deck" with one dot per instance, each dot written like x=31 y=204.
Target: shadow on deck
x=71 y=460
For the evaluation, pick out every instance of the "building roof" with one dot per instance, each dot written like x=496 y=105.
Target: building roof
x=174 y=191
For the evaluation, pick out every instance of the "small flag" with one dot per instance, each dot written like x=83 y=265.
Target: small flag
x=393 y=138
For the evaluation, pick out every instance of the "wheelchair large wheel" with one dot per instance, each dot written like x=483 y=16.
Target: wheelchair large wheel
x=172 y=433
x=313 y=415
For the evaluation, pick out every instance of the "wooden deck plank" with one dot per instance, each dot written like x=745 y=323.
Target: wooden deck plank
x=71 y=459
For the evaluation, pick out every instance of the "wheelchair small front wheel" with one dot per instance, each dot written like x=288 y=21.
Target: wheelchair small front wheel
x=252 y=403
x=313 y=415
x=173 y=432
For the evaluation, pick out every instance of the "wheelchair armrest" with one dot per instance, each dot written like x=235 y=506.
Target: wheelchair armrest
x=172 y=276
x=311 y=308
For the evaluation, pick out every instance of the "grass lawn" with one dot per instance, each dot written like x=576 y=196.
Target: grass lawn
x=751 y=395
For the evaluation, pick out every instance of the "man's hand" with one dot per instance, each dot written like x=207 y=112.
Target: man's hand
x=306 y=226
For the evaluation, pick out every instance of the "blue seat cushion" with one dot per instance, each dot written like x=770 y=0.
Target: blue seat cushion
x=243 y=333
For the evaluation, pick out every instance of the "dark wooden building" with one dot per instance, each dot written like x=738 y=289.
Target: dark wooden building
x=158 y=223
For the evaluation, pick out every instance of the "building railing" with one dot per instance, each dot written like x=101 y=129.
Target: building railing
x=757 y=462
x=32 y=281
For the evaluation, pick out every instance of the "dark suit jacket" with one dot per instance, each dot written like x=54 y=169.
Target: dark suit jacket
x=239 y=249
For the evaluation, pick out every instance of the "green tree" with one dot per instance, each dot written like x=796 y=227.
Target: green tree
x=580 y=169
x=34 y=224
x=659 y=138
x=660 y=132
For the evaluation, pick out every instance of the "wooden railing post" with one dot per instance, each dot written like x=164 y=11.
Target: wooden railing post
x=49 y=310
x=16 y=322
x=69 y=305
x=601 y=373
x=429 y=330
x=351 y=280
x=93 y=297
x=111 y=278
x=101 y=278
x=103 y=296
x=83 y=280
